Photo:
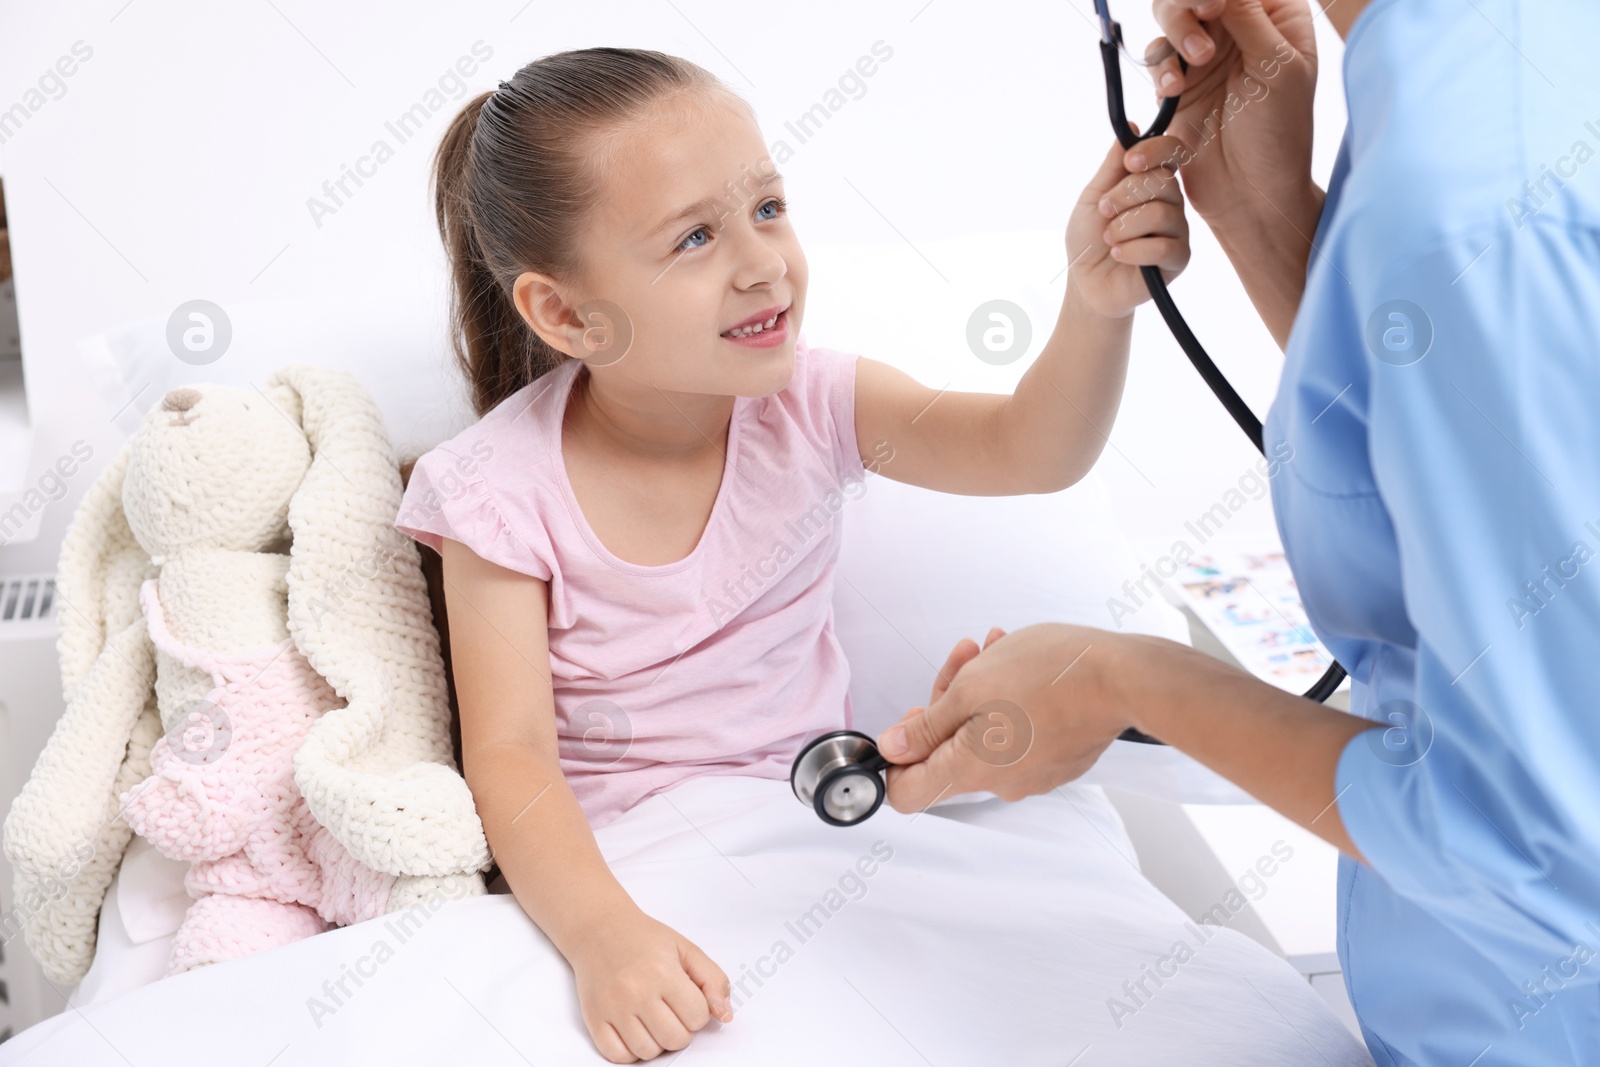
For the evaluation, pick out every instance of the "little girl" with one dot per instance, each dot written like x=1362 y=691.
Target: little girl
x=639 y=534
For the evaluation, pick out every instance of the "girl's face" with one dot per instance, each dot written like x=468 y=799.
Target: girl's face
x=690 y=239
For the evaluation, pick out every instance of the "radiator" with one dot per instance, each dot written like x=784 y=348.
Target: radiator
x=30 y=705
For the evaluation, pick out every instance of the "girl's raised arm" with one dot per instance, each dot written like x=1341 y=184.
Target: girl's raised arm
x=1049 y=433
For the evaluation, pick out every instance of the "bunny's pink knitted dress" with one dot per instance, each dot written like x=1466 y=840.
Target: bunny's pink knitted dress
x=222 y=797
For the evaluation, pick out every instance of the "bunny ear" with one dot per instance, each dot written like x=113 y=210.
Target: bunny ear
x=284 y=395
x=379 y=773
x=62 y=835
x=98 y=575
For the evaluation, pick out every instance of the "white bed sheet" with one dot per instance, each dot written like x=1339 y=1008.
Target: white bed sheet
x=995 y=934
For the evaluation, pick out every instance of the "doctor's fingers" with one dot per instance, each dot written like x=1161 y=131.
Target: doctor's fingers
x=1180 y=22
x=922 y=730
x=966 y=649
x=950 y=769
x=1255 y=27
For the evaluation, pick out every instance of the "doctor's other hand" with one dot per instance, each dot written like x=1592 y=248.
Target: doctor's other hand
x=965 y=650
x=644 y=989
x=1034 y=709
x=1105 y=248
x=1242 y=135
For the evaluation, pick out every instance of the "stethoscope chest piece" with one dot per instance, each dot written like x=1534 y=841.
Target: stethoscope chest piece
x=839 y=775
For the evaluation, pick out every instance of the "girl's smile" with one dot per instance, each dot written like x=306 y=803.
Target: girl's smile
x=761 y=330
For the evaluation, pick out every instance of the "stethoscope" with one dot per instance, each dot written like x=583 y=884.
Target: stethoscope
x=840 y=774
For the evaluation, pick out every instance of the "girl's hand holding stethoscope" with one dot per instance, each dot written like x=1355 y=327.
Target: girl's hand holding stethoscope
x=1109 y=239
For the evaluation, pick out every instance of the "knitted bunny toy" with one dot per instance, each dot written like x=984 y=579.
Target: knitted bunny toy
x=252 y=681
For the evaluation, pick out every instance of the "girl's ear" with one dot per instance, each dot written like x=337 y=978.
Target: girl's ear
x=545 y=311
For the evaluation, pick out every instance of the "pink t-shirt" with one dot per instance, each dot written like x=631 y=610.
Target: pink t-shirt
x=724 y=662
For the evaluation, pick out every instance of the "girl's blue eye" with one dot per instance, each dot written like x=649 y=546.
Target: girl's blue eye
x=778 y=203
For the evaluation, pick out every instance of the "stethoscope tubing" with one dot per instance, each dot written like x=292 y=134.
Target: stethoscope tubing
x=1110 y=45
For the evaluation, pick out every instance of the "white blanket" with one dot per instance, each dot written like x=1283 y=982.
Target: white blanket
x=975 y=933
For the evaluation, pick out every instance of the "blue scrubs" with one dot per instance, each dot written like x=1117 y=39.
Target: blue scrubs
x=1441 y=512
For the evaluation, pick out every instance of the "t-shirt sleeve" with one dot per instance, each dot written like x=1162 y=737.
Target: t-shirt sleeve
x=448 y=496
x=831 y=403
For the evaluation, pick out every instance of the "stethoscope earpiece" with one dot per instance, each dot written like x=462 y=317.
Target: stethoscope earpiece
x=839 y=775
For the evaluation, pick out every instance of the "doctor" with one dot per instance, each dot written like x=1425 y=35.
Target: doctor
x=1439 y=308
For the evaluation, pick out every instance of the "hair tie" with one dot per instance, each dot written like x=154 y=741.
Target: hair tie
x=505 y=85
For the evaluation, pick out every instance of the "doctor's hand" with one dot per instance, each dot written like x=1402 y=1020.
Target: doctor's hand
x=1034 y=709
x=965 y=650
x=1242 y=134
x=1242 y=138
x=1105 y=248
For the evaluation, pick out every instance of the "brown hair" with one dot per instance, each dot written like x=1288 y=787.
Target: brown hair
x=514 y=178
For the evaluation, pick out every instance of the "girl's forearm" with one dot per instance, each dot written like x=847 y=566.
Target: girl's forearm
x=1058 y=420
x=1280 y=748
x=543 y=843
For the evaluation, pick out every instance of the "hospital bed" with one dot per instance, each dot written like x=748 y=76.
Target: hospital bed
x=977 y=932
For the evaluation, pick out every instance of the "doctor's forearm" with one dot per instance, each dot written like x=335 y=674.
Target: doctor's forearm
x=1280 y=748
x=1270 y=249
